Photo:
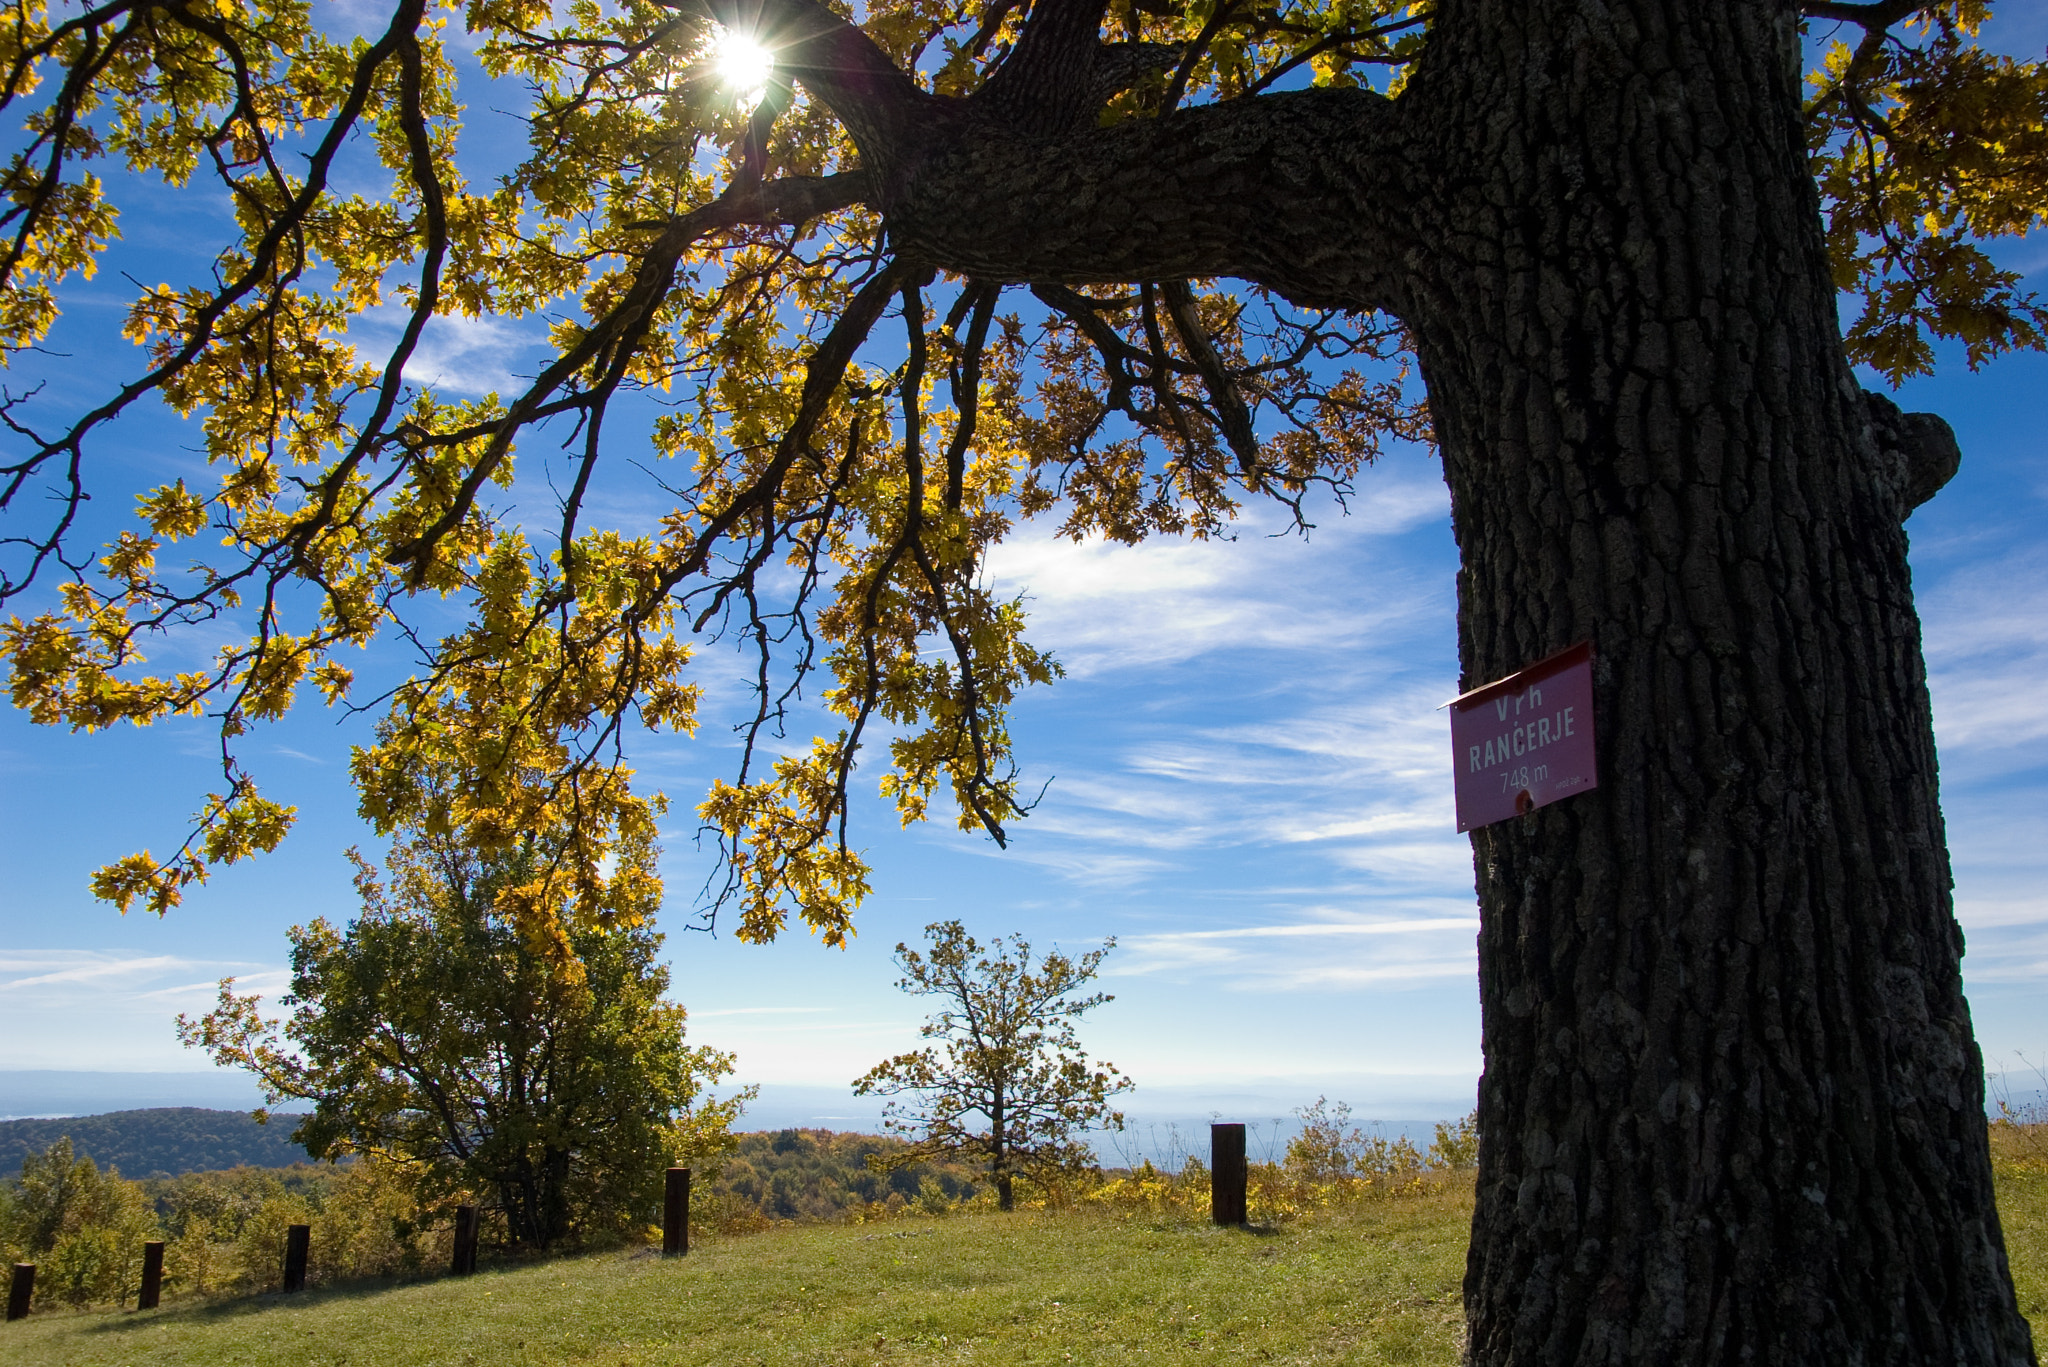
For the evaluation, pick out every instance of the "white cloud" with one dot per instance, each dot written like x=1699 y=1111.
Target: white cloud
x=2013 y=960
x=1464 y=924
x=1410 y=973
x=47 y=968
x=456 y=355
x=1442 y=863
x=1412 y=944
x=81 y=1008
x=1356 y=782
x=1977 y=913
x=100 y=972
x=1986 y=630
x=1295 y=735
x=1099 y=869
x=1101 y=606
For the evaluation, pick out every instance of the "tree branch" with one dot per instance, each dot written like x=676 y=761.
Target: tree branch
x=1300 y=191
x=1046 y=85
x=882 y=109
x=1871 y=16
x=1232 y=414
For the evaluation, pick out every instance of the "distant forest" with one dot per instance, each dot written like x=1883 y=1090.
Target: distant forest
x=785 y=1175
x=162 y=1142
x=820 y=1175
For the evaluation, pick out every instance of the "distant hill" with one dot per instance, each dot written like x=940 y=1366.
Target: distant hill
x=161 y=1142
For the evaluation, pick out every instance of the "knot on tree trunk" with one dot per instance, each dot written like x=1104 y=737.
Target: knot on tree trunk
x=1917 y=452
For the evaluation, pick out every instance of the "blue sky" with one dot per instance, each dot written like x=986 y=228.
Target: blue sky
x=1249 y=788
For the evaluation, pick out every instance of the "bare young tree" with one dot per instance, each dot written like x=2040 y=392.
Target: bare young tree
x=1005 y=1079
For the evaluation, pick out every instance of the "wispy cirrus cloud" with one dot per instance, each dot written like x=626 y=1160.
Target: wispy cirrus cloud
x=99 y=972
x=1286 y=805
x=1360 y=783
x=23 y=969
x=1986 y=636
x=1984 y=615
x=1073 y=861
x=457 y=355
x=1104 y=607
x=1419 y=942
x=69 y=1008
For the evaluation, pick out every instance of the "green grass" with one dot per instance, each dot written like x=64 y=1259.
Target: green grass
x=1374 y=1284
x=2023 y=1213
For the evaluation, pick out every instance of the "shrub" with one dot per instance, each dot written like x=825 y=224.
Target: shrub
x=1325 y=1151
x=823 y=1175
x=82 y=1227
x=1456 y=1144
x=226 y=1230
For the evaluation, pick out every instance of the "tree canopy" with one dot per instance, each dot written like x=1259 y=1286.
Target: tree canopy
x=434 y=1033
x=951 y=266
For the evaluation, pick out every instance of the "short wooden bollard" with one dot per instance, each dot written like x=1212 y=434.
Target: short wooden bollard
x=1227 y=1174
x=18 y=1294
x=464 y=1261
x=675 y=1214
x=298 y=1240
x=152 y=1275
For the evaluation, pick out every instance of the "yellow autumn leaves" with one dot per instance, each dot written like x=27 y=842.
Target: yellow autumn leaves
x=834 y=439
x=1925 y=147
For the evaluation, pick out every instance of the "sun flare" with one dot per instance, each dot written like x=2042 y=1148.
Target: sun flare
x=741 y=62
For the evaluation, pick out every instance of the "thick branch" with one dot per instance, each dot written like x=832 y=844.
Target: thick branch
x=1298 y=191
x=1288 y=190
x=1874 y=16
x=888 y=117
x=1046 y=85
x=792 y=199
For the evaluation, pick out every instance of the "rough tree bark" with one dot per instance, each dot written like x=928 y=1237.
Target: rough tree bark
x=1732 y=1107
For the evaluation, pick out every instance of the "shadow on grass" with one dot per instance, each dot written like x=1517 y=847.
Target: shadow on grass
x=242 y=1307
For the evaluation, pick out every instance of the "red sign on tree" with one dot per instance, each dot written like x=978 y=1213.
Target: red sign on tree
x=1525 y=741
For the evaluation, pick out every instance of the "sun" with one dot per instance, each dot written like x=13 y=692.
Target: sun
x=741 y=62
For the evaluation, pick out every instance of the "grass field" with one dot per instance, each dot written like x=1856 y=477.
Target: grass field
x=2023 y=1213
x=1374 y=1283
x=1377 y=1284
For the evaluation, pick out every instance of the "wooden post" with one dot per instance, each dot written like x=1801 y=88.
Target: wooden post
x=152 y=1275
x=675 y=1214
x=298 y=1239
x=18 y=1294
x=1227 y=1174
x=464 y=1261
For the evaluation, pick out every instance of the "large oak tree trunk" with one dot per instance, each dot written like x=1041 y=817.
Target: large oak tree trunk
x=1732 y=1107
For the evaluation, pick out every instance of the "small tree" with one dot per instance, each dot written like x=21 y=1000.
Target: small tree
x=438 y=1030
x=1006 y=1081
